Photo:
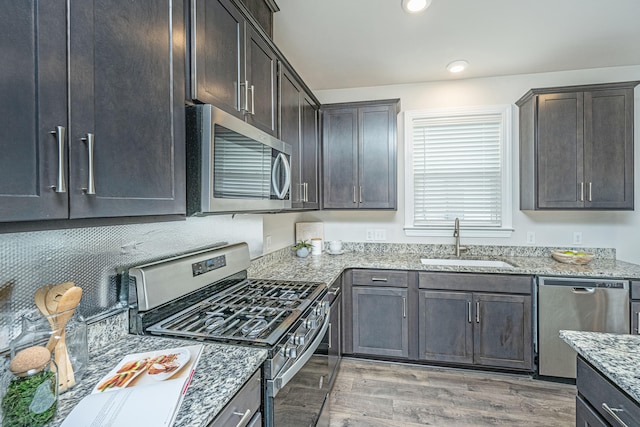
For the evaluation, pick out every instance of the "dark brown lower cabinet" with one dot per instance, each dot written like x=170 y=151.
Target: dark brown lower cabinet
x=380 y=322
x=446 y=328
x=600 y=402
x=635 y=317
x=475 y=328
x=586 y=416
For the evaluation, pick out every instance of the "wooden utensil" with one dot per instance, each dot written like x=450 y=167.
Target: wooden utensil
x=54 y=294
x=40 y=300
x=65 y=308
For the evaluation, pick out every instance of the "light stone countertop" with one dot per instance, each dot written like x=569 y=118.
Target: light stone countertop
x=284 y=265
x=221 y=371
x=616 y=356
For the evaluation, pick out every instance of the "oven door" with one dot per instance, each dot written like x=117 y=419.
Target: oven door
x=303 y=389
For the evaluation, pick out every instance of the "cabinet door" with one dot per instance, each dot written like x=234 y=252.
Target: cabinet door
x=560 y=171
x=587 y=417
x=377 y=157
x=445 y=327
x=290 y=107
x=340 y=158
x=502 y=331
x=608 y=149
x=310 y=156
x=33 y=104
x=217 y=57
x=635 y=317
x=380 y=324
x=124 y=59
x=261 y=77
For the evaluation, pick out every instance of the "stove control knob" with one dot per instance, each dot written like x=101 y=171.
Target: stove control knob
x=290 y=352
x=298 y=339
x=311 y=322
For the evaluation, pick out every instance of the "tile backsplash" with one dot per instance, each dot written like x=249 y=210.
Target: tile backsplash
x=93 y=257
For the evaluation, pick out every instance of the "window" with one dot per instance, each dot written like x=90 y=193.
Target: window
x=458 y=165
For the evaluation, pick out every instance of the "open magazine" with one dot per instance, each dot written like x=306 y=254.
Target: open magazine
x=144 y=389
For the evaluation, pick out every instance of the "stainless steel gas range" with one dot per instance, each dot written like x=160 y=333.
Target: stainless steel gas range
x=206 y=295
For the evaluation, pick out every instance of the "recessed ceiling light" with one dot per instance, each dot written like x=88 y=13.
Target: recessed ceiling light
x=457 y=66
x=415 y=6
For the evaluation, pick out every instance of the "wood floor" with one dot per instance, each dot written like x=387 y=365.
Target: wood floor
x=379 y=394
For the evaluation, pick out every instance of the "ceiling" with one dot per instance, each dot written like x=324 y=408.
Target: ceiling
x=336 y=44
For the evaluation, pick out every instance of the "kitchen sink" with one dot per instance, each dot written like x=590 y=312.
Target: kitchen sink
x=466 y=262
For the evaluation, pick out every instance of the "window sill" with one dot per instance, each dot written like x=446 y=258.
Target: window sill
x=466 y=232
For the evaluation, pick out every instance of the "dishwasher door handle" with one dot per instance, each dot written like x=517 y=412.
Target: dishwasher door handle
x=583 y=290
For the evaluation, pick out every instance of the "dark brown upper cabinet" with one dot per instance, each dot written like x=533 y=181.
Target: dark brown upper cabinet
x=104 y=135
x=298 y=113
x=359 y=145
x=576 y=147
x=262 y=11
x=232 y=66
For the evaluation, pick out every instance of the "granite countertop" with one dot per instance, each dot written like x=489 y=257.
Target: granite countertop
x=616 y=356
x=220 y=373
x=326 y=268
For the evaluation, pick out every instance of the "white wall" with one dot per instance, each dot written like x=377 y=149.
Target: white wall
x=279 y=230
x=619 y=230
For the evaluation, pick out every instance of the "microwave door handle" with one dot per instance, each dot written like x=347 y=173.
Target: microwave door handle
x=287 y=175
x=274 y=176
x=279 y=382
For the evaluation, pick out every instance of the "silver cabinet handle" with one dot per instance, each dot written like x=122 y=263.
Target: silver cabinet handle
x=638 y=325
x=354 y=194
x=404 y=307
x=469 y=311
x=253 y=100
x=361 y=194
x=582 y=191
x=589 y=192
x=245 y=108
x=306 y=191
x=61 y=184
x=612 y=412
x=477 y=311
x=91 y=185
x=244 y=419
x=194 y=42
x=379 y=279
x=330 y=336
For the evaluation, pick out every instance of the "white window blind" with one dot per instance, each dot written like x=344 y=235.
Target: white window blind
x=457 y=170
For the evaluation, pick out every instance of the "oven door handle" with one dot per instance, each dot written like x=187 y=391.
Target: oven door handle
x=279 y=382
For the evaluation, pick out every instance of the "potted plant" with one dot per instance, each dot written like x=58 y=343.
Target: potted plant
x=302 y=248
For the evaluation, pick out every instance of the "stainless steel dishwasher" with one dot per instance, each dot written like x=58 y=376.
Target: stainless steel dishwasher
x=578 y=304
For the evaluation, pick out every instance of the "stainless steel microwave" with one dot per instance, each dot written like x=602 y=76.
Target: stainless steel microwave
x=233 y=166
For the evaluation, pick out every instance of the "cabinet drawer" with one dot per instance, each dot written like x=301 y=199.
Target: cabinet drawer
x=247 y=399
x=586 y=416
x=605 y=397
x=380 y=278
x=476 y=282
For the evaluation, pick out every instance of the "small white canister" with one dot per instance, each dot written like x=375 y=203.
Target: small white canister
x=316 y=246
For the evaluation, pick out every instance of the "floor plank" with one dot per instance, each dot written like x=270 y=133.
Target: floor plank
x=380 y=394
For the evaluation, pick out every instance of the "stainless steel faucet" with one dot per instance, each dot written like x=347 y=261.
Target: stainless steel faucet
x=456 y=234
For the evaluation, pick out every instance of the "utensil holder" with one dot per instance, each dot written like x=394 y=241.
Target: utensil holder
x=69 y=346
x=30 y=398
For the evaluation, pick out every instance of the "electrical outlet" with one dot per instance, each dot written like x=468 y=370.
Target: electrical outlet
x=577 y=237
x=267 y=242
x=531 y=238
x=369 y=234
x=380 y=234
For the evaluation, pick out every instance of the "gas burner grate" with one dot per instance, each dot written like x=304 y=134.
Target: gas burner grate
x=252 y=311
